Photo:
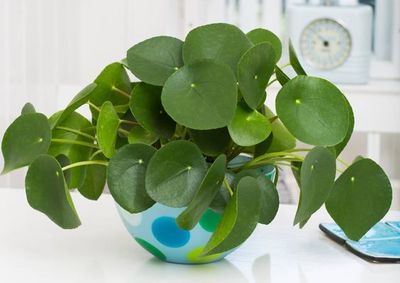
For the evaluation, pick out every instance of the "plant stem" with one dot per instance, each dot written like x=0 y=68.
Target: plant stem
x=121 y=92
x=124 y=132
x=94 y=106
x=267 y=157
x=75 y=132
x=285 y=65
x=128 y=122
x=63 y=141
x=309 y=149
x=271 y=82
x=83 y=163
x=228 y=187
x=95 y=153
x=343 y=162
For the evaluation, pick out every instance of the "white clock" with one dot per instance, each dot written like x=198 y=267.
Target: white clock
x=333 y=42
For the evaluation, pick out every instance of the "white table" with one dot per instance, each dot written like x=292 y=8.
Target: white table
x=33 y=249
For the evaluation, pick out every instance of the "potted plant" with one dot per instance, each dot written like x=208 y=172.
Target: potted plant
x=168 y=145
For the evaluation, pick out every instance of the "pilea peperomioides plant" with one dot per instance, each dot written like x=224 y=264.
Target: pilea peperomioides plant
x=169 y=136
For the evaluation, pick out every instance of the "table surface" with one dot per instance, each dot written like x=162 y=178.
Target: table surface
x=33 y=249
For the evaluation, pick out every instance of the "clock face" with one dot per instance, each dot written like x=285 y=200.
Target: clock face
x=325 y=44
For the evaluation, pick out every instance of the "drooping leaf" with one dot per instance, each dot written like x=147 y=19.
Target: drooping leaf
x=155 y=59
x=254 y=70
x=201 y=95
x=81 y=98
x=93 y=179
x=138 y=134
x=107 y=129
x=174 y=173
x=205 y=194
x=281 y=76
x=317 y=177
x=47 y=192
x=28 y=108
x=360 y=198
x=146 y=106
x=239 y=220
x=294 y=61
x=221 y=42
x=313 y=110
x=211 y=142
x=269 y=195
x=339 y=147
x=260 y=35
x=24 y=140
x=126 y=177
x=74 y=152
x=248 y=126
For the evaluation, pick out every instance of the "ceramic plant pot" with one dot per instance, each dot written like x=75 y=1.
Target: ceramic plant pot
x=157 y=232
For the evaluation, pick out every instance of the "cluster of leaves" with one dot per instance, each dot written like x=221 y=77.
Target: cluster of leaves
x=169 y=138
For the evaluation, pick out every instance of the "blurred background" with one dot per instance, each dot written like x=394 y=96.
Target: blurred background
x=50 y=49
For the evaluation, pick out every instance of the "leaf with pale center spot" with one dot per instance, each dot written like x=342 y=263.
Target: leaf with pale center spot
x=126 y=177
x=175 y=172
x=260 y=35
x=248 y=127
x=205 y=194
x=317 y=177
x=107 y=128
x=360 y=198
x=24 y=140
x=46 y=191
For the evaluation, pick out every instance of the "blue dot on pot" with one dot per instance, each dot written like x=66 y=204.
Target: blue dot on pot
x=167 y=232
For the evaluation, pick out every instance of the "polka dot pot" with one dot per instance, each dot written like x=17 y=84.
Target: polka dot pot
x=157 y=232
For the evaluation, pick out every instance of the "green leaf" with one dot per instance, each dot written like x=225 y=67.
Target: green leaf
x=221 y=42
x=360 y=198
x=248 y=127
x=317 y=177
x=24 y=140
x=146 y=106
x=81 y=98
x=64 y=161
x=73 y=152
x=254 y=71
x=107 y=128
x=281 y=76
x=138 y=134
x=260 y=35
x=313 y=110
x=28 y=108
x=340 y=146
x=269 y=195
x=294 y=61
x=174 y=173
x=155 y=59
x=223 y=196
x=296 y=170
x=126 y=177
x=47 y=192
x=201 y=95
x=211 y=142
x=207 y=191
x=93 y=179
x=113 y=85
x=239 y=219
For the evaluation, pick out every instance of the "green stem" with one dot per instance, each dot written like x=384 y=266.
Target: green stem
x=63 y=141
x=309 y=149
x=267 y=157
x=76 y=132
x=84 y=163
x=343 y=162
x=271 y=82
x=124 y=132
x=228 y=187
x=128 y=122
x=94 y=106
x=121 y=92
x=95 y=153
x=285 y=65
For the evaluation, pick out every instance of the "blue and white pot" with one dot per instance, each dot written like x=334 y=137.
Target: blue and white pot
x=157 y=232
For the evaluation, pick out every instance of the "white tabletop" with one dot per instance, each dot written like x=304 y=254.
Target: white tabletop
x=33 y=249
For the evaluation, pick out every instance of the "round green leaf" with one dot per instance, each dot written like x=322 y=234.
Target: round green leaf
x=239 y=220
x=317 y=177
x=81 y=98
x=201 y=95
x=248 y=127
x=47 y=192
x=340 y=146
x=174 y=173
x=93 y=179
x=205 y=194
x=107 y=128
x=313 y=110
x=360 y=198
x=221 y=42
x=260 y=35
x=126 y=177
x=146 y=106
x=24 y=140
x=155 y=59
x=138 y=134
x=254 y=71
x=28 y=108
x=211 y=142
x=294 y=61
